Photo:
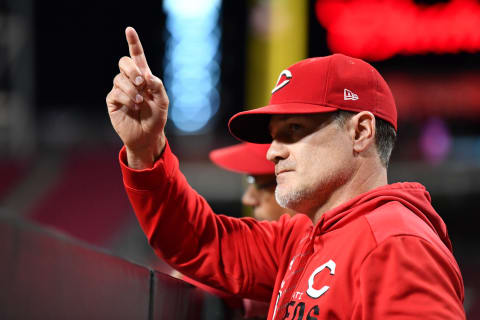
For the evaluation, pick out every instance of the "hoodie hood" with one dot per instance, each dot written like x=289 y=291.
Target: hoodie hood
x=412 y=195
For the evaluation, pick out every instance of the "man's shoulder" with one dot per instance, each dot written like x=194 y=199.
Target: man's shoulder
x=394 y=219
x=298 y=220
x=294 y=228
x=286 y=225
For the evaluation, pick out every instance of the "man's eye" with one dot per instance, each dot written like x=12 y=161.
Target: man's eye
x=294 y=127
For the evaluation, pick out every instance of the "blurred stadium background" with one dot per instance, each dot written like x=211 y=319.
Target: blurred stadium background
x=58 y=151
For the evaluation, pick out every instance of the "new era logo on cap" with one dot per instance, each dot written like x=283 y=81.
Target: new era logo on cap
x=349 y=95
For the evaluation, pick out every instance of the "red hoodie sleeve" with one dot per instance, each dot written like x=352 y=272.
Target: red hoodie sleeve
x=405 y=277
x=238 y=256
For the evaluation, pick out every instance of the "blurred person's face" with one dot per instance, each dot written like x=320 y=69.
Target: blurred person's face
x=260 y=196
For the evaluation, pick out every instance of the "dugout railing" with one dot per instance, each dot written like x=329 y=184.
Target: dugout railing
x=47 y=275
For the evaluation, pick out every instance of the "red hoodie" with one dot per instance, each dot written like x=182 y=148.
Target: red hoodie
x=384 y=254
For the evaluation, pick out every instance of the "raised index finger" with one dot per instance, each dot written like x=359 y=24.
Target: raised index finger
x=136 y=50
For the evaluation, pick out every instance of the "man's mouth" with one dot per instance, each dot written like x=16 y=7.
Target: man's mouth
x=278 y=172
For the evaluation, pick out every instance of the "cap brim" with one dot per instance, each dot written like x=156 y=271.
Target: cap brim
x=244 y=158
x=252 y=125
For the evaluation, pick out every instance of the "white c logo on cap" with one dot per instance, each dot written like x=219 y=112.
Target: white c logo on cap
x=288 y=76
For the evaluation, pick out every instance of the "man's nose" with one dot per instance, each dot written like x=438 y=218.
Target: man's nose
x=250 y=196
x=277 y=151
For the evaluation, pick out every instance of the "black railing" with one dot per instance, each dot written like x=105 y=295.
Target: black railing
x=47 y=275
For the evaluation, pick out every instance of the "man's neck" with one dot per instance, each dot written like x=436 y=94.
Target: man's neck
x=362 y=181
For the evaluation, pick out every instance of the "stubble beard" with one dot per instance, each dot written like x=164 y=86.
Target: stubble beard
x=305 y=198
x=294 y=199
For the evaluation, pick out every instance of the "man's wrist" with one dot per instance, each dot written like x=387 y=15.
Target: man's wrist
x=145 y=158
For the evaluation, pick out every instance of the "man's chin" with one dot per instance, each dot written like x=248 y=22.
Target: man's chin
x=292 y=199
x=285 y=199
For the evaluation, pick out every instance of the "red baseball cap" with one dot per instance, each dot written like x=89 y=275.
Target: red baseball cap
x=246 y=158
x=319 y=85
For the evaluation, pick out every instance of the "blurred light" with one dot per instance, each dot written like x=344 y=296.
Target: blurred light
x=380 y=29
x=466 y=149
x=191 y=66
x=435 y=141
x=449 y=95
x=190 y=8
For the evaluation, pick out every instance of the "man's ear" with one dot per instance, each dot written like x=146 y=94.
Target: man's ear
x=362 y=129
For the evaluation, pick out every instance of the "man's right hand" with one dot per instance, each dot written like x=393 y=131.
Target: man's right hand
x=138 y=106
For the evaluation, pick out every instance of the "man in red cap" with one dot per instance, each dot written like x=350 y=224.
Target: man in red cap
x=362 y=249
x=250 y=159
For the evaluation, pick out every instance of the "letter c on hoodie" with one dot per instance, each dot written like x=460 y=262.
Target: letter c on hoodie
x=312 y=292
